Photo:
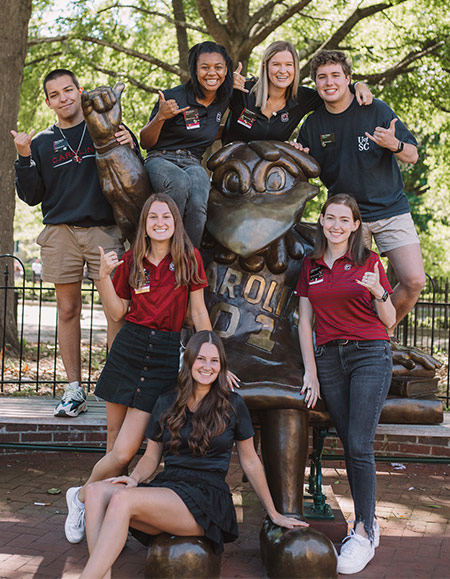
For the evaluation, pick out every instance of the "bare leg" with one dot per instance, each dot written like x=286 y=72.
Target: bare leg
x=125 y=448
x=115 y=415
x=408 y=265
x=112 y=327
x=154 y=510
x=68 y=302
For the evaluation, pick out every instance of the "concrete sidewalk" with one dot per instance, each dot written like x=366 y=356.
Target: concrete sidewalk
x=413 y=510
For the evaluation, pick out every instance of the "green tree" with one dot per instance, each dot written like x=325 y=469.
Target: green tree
x=400 y=47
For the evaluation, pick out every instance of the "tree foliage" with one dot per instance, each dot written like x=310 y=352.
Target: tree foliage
x=400 y=47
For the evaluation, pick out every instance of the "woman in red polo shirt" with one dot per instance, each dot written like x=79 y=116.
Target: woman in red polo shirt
x=343 y=287
x=152 y=287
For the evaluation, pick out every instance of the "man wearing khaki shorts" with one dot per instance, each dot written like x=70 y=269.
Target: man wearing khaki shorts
x=57 y=168
x=358 y=149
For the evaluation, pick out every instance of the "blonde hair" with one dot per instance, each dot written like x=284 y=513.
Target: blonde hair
x=181 y=248
x=261 y=88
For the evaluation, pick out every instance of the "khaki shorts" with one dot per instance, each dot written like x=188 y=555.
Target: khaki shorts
x=390 y=233
x=65 y=249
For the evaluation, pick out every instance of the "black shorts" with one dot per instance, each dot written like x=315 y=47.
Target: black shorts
x=208 y=498
x=142 y=364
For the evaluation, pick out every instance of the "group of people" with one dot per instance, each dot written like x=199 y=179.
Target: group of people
x=347 y=309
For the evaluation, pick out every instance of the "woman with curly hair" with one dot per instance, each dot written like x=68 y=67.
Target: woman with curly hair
x=194 y=429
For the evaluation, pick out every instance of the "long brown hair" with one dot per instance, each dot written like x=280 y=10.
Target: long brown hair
x=181 y=248
x=212 y=415
x=358 y=250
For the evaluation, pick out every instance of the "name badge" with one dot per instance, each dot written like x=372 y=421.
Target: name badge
x=60 y=145
x=247 y=118
x=327 y=139
x=145 y=288
x=191 y=119
x=315 y=275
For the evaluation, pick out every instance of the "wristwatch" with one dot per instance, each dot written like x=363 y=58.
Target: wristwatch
x=401 y=145
x=384 y=297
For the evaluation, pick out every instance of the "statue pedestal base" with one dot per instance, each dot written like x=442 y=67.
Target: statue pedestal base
x=188 y=557
x=299 y=553
x=336 y=528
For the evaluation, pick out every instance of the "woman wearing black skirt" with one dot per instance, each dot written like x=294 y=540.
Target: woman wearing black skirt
x=194 y=429
x=152 y=287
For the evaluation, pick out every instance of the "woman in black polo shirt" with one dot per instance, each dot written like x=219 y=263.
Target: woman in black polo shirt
x=272 y=106
x=194 y=428
x=182 y=125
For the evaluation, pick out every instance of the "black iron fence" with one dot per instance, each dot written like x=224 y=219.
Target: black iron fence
x=33 y=364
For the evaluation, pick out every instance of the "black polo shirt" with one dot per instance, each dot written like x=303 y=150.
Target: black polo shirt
x=217 y=457
x=196 y=129
x=352 y=163
x=247 y=123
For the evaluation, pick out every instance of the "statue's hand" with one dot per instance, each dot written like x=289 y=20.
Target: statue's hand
x=408 y=356
x=102 y=112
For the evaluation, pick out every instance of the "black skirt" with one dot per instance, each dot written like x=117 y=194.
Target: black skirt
x=208 y=498
x=142 y=364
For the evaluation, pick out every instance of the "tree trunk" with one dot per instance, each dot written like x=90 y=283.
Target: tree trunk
x=13 y=47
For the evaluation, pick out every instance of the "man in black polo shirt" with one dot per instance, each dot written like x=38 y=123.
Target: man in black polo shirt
x=358 y=149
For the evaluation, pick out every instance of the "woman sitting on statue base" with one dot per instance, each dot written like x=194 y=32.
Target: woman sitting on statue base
x=194 y=428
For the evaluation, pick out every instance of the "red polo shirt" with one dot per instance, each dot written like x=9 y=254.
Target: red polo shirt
x=162 y=307
x=343 y=309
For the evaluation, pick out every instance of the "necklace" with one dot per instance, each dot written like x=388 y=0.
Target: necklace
x=76 y=157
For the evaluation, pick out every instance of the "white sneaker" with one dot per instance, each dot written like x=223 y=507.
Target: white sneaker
x=376 y=533
x=356 y=552
x=74 y=526
x=72 y=403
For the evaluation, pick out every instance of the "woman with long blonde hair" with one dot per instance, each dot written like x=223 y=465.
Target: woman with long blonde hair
x=271 y=106
x=153 y=285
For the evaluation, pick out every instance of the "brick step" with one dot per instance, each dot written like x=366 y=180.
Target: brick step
x=31 y=420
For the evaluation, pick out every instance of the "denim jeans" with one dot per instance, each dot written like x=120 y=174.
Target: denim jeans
x=180 y=175
x=354 y=381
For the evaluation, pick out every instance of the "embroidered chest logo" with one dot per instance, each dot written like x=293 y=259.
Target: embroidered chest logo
x=172 y=266
x=363 y=143
x=218 y=117
x=284 y=117
x=348 y=266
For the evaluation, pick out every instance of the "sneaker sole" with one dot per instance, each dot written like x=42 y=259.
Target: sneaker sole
x=351 y=571
x=71 y=413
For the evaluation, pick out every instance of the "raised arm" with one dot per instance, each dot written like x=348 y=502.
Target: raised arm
x=29 y=185
x=383 y=304
x=254 y=471
x=405 y=152
x=149 y=135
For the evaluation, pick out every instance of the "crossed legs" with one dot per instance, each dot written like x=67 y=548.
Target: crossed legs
x=111 y=509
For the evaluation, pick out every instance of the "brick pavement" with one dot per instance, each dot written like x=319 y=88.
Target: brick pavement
x=413 y=510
